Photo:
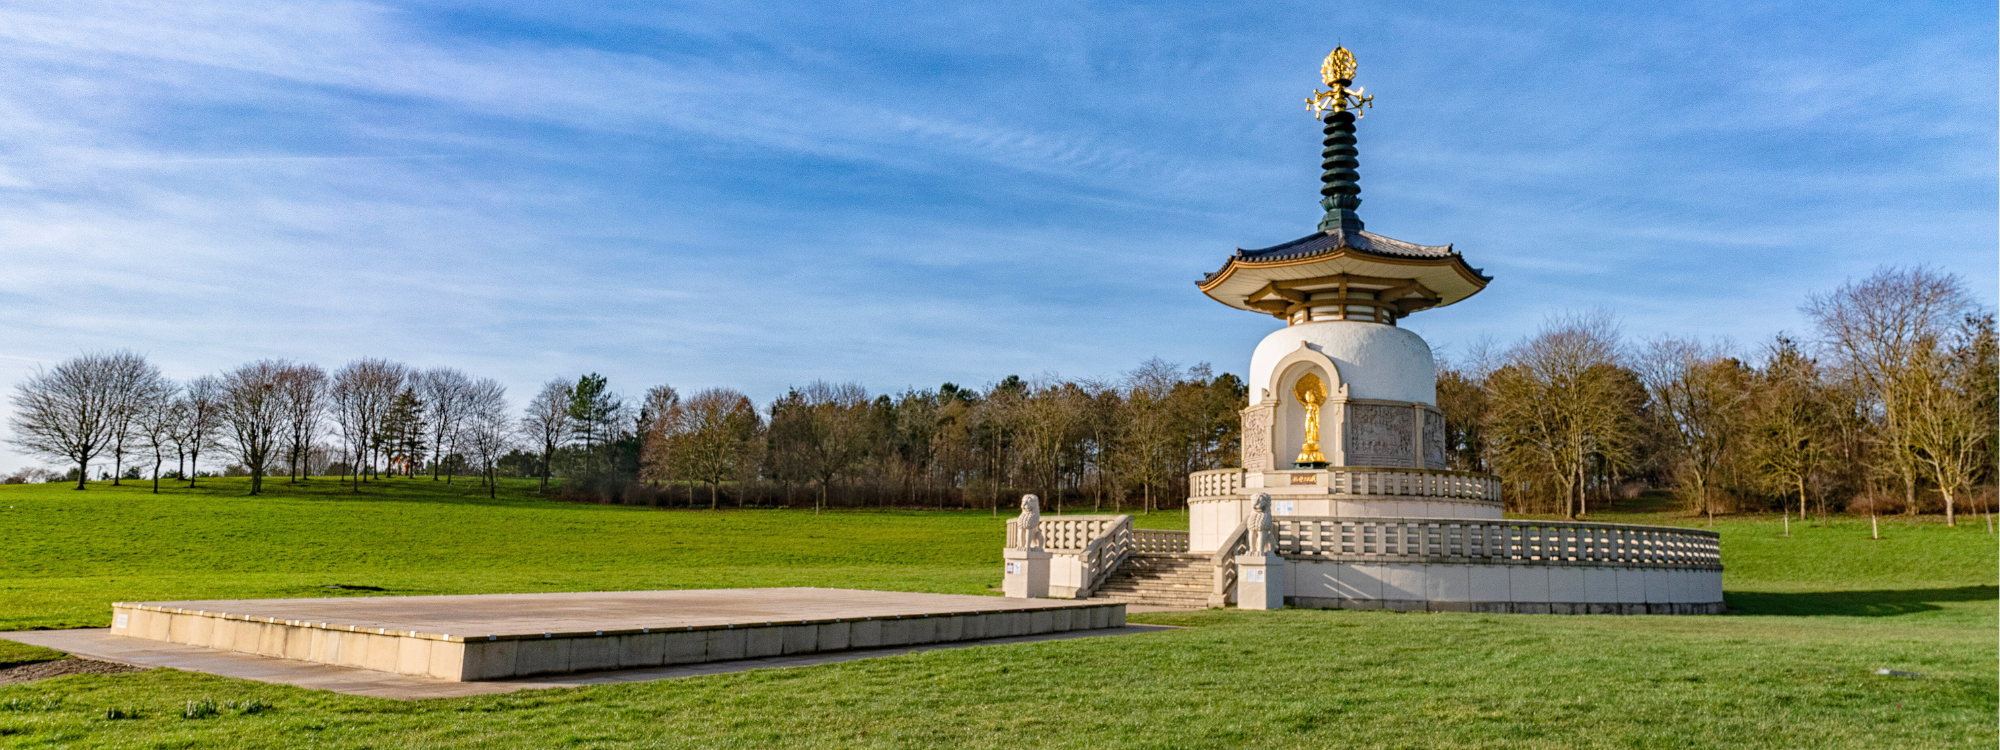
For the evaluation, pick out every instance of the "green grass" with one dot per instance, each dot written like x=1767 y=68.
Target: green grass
x=1821 y=611
x=12 y=654
x=75 y=552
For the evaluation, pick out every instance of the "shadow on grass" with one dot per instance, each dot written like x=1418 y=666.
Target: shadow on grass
x=1856 y=603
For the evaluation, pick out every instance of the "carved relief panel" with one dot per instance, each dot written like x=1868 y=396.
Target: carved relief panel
x=1257 y=438
x=1380 y=435
x=1434 y=457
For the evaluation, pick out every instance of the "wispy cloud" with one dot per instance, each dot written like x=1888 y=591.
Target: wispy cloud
x=758 y=195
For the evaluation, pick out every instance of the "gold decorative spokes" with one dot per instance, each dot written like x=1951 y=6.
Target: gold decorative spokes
x=1338 y=72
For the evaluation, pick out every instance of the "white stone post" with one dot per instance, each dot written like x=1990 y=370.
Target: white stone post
x=1260 y=572
x=1260 y=581
x=1027 y=574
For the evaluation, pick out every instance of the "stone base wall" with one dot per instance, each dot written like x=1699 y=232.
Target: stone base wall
x=1529 y=587
x=460 y=659
x=1503 y=608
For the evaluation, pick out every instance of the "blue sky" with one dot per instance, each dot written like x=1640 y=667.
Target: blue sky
x=760 y=194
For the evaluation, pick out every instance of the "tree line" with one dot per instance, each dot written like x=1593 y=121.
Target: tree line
x=1889 y=406
x=1109 y=444
x=1130 y=442
x=268 y=415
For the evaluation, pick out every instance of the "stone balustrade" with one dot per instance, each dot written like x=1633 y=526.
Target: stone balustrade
x=1067 y=533
x=1490 y=565
x=1215 y=482
x=1159 y=542
x=1360 y=481
x=1457 y=485
x=1084 y=550
x=1497 y=542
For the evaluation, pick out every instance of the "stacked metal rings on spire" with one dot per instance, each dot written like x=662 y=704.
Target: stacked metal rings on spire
x=1340 y=190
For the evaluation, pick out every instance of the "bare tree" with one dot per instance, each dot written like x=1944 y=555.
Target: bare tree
x=1700 y=390
x=70 y=413
x=158 y=421
x=302 y=394
x=1052 y=421
x=1560 y=404
x=484 y=427
x=363 y=392
x=1950 y=420
x=203 y=421
x=659 y=421
x=447 y=394
x=996 y=425
x=136 y=386
x=1150 y=439
x=1791 y=421
x=829 y=434
x=547 y=423
x=714 y=438
x=1874 y=328
x=254 y=410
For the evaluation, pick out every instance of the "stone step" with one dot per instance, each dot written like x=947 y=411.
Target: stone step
x=1164 y=590
x=1191 y=583
x=1157 y=595
x=1167 y=573
x=1190 y=591
x=1178 y=580
x=1178 y=602
x=1205 y=581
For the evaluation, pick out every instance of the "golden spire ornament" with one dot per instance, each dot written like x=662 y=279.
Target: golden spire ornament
x=1311 y=393
x=1338 y=72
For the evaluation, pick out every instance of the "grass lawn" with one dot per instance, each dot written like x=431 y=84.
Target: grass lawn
x=1822 y=611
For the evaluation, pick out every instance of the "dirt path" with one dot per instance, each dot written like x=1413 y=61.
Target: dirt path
x=43 y=670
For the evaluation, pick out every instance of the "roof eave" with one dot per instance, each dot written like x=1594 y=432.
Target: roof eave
x=1472 y=276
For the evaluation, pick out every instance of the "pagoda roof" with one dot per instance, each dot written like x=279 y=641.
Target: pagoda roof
x=1336 y=254
x=1334 y=239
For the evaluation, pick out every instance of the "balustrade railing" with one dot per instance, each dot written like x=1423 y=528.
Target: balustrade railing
x=1159 y=541
x=1066 y=533
x=1102 y=555
x=1367 y=481
x=1096 y=544
x=1414 y=482
x=1215 y=482
x=1466 y=540
x=1224 y=564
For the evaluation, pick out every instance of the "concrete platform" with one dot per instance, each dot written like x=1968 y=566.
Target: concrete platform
x=100 y=644
x=499 y=636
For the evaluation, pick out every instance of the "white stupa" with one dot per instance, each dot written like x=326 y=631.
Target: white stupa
x=1345 y=447
x=1341 y=388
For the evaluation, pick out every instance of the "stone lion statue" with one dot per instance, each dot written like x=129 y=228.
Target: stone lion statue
x=1030 y=522
x=1263 y=534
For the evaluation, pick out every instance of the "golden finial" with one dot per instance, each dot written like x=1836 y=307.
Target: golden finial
x=1338 y=72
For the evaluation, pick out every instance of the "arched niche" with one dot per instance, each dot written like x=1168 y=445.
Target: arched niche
x=1289 y=414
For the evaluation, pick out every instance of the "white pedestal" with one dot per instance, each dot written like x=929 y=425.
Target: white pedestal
x=1260 y=582
x=1027 y=574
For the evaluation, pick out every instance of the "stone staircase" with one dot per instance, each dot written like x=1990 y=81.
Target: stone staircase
x=1177 y=580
